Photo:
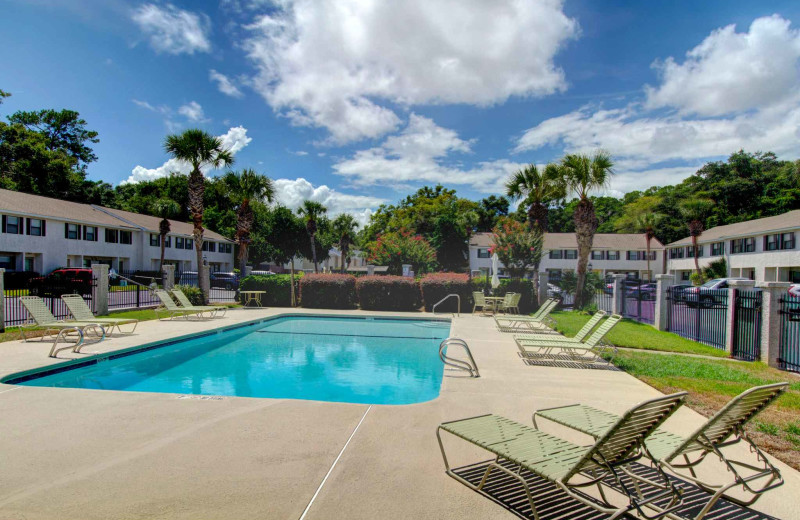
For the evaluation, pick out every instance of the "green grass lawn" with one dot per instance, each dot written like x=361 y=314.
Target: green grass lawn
x=632 y=334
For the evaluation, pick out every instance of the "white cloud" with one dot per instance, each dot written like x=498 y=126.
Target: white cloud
x=292 y=193
x=730 y=72
x=420 y=154
x=331 y=64
x=173 y=30
x=161 y=109
x=233 y=140
x=225 y=84
x=193 y=112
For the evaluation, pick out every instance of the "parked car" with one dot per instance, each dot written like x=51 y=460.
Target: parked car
x=710 y=293
x=645 y=291
x=67 y=280
x=678 y=292
x=227 y=281
x=794 y=290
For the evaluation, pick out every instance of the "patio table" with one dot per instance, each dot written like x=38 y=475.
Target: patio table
x=495 y=301
x=252 y=297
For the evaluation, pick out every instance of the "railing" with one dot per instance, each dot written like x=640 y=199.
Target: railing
x=699 y=316
x=459 y=364
x=789 y=348
x=126 y=290
x=639 y=300
x=49 y=291
x=433 y=309
x=747 y=325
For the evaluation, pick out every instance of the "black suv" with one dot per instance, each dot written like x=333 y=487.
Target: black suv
x=67 y=280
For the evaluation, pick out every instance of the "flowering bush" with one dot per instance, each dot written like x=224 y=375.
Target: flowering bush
x=517 y=246
x=436 y=286
x=394 y=249
x=277 y=287
x=328 y=291
x=388 y=293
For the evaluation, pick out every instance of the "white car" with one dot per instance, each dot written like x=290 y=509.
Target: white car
x=710 y=293
x=794 y=290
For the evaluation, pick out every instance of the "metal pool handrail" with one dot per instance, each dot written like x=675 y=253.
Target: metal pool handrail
x=433 y=310
x=459 y=364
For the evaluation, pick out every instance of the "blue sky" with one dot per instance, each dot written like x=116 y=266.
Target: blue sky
x=355 y=103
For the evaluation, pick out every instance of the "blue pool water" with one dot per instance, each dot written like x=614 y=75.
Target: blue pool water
x=355 y=360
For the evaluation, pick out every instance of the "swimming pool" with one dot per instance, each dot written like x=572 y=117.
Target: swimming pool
x=343 y=359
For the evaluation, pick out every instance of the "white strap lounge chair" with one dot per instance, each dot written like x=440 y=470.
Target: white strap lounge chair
x=80 y=311
x=171 y=309
x=183 y=301
x=42 y=317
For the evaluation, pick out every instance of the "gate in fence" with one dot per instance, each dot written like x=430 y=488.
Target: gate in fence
x=698 y=314
x=639 y=300
x=789 y=348
x=131 y=289
x=49 y=289
x=747 y=325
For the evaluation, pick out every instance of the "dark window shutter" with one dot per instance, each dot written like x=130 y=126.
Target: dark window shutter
x=44 y=222
x=95 y=233
x=4 y=223
x=66 y=230
x=27 y=226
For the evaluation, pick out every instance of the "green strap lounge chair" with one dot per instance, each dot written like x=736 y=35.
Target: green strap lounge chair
x=579 y=337
x=183 y=301
x=571 y=467
x=679 y=454
x=80 y=311
x=42 y=317
x=480 y=301
x=171 y=309
x=560 y=348
x=522 y=324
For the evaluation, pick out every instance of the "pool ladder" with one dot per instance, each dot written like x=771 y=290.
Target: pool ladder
x=459 y=364
x=433 y=310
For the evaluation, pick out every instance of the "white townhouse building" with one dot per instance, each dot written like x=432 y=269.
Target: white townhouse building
x=612 y=253
x=765 y=249
x=41 y=234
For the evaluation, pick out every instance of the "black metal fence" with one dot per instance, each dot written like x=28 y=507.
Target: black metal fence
x=131 y=289
x=789 y=348
x=639 y=300
x=747 y=325
x=50 y=292
x=224 y=286
x=699 y=315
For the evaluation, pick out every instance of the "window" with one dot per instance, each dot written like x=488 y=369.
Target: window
x=90 y=233
x=631 y=255
x=483 y=253
x=653 y=255
x=676 y=252
x=211 y=247
x=112 y=236
x=685 y=275
x=743 y=245
x=168 y=241
x=556 y=254
x=598 y=255
x=154 y=240
x=12 y=225
x=718 y=249
x=178 y=242
x=690 y=251
x=8 y=261
x=188 y=243
x=772 y=242
x=570 y=254
x=125 y=237
x=787 y=241
x=612 y=255
x=36 y=227
x=72 y=231
x=228 y=248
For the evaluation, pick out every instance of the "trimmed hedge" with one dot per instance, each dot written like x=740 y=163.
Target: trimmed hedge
x=328 y=291
x=388 y=293
x=436 y=286
x=527 y=303
x=278 y=288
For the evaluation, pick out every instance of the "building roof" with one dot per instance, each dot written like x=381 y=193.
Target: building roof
x=759 y=226
x=611 y=241
x=46 y=207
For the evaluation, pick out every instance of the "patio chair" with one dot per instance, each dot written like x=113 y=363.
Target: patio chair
x=42 y=317
x=507 y=304
x=171 y=309
x=725 y=428
x=80 y=311
x=480 y=301
x=527 y=323
x=515 y=303
x=572 y=467
x=557 y=348
x=183 y=301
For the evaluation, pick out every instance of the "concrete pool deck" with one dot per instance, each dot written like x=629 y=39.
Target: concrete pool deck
x=89 y=454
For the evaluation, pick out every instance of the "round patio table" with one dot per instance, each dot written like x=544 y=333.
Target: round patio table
x=252 y=297
x=495 y=301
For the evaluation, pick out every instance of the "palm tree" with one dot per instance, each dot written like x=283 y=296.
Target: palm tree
x=695 y=211
x=312 y=211
x=199 y=149
x=344 y=228
x=538 y=190
x=646 y=223
x=166 y=209
x=582 y=174
x=242 y=188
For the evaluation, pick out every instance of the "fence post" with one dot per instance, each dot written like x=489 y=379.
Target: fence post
x=2 y=300
x=771 y=320
x=100 y=289
x=661 y=315
x=544 y=279
x=618 y=302
x=168 y=277
x=730 y=312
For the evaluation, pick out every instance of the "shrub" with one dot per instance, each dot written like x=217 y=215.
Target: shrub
x=517 y=245
x=277 y=286
x=388 y=293
x=527 y=303
x=394 y=249
x=436 y=286
x=328 y=291
x=194 y=294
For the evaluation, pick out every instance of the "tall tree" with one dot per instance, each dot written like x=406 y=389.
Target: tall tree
x=64 y=130
x=312 y=211
x=283 y=239
x=199 y=149
x=344 y=229
x=646 y=223
x=165 y=209
x=583 y=174
x=243 y=187
x=695 y=211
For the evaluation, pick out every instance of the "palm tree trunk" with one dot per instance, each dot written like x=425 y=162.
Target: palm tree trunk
x=243 y=258
x=163 y=237
x=696 y=260
x=314 y=253
x=291 y=270
x=585 y=226
x=196 y=190
x=536 y=282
